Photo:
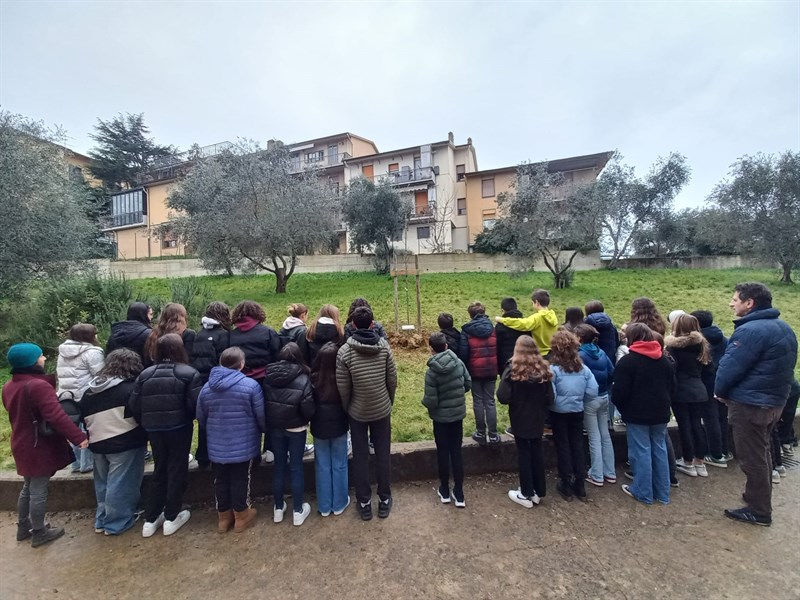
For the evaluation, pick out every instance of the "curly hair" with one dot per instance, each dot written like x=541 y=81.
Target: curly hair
x=171 y=320
x=357 y=303
x=123 y=363
x=221 y=313
x=528 y=363
x=564 y=351
x=330 y=311
x=643 y=310
x=248 y=308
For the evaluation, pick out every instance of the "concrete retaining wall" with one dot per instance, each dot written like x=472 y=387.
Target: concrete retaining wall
x=690 y=262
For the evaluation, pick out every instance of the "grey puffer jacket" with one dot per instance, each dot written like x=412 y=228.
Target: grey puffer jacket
x=366 y=376
x=446 y=382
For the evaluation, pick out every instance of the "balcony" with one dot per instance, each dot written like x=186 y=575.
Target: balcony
x=423 y=214
x=171 y=167
x=407 y=176
x=122 y=220
x=298 y=164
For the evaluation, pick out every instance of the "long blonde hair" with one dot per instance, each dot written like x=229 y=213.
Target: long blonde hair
x=527 y=362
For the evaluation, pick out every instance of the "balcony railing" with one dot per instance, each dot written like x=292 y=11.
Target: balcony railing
x=330 y=160
x=406 y=176
x=125 y=220
x=169 y=167
x=423 y=213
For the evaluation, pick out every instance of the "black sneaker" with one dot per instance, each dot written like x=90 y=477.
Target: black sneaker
x=479 y=437
x=494 y=438
x=384 y=508
x=366 y=511
x=745 y=515
x=563 y=488
x=24 y=531
x=45 y=535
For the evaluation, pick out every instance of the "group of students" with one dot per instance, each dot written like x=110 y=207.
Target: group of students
x=256 y=392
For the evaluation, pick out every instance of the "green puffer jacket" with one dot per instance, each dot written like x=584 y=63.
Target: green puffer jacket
x=366 y=376
x=446 y=381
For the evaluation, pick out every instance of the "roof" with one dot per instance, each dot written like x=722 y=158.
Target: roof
x=395 y=152
x=333 y=137
x=573 y=163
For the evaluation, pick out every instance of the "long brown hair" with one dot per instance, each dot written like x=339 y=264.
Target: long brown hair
x=685 y=325
x=169 y=348
x=330 y=311
x=84 y=332
x=171 y=320
x=527 y=362
x=323 y=373
x=643 y=310
x=564 y=351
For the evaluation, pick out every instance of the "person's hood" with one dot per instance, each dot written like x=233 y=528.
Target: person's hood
x=326 y=321
x=549 y=316
x=326 y=332
x=366 y=341
x=695 y=338
x=292 y=322
x=513 y=314
x=138 y=312
x=755 y=315
x=480 y=327
x=648 y=349
x=101 y=383
x=221 y=379
x=599 y=321
x=209 y=323
x=713 y=334
x=128 y=329
x=592 y=350
x=246 y=323
x=443 y=362
x=282 y=373
x=73 y=349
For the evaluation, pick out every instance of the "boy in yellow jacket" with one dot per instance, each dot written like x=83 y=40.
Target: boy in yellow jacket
x=542 y=324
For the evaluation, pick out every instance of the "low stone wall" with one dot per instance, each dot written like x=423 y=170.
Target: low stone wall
x=690 y=262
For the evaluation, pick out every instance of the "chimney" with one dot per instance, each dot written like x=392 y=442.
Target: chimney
x=450 y=137
x=469 y=141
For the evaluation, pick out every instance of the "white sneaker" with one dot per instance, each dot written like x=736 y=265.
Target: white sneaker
x=701 y=470
x=277 y=513
x=338 y=512
x=171 y=527
x=300 y=517
x=191 y=457
x=150 y=528
x=516 y=496
x=535 y=498
x=308 y=450
x=687 y=470
x=776 y=477
x=268 y=457
x=781 y=471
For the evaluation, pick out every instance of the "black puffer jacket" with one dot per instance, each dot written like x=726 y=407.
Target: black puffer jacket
x=289 y=402
x=688 y=370
x=128 y=334
x=330 y=420
x=528 y=404
x=208 y=345
x=165 y=396
x=506 y=339
x=453 y=337
x=324 y=333
x=297 y=335
x=260 y=345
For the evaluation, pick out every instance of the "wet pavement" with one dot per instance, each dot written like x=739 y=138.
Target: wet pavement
x=611 y=547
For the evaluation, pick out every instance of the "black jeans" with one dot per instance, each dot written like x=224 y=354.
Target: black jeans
x=568 y=436
x=201 y=454
x=232 y=485
x=775 y=448
x=690 y=429
x=380 y=432
x=531 y=467
x=786 y=422
x=724 y=427
x=711 y=424
x=170 y=473
x=448 y=437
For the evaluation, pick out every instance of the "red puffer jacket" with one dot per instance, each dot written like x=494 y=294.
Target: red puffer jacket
x=478 y=348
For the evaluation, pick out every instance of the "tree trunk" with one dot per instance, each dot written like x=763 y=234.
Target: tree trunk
x=787 y=273
x=280 y=280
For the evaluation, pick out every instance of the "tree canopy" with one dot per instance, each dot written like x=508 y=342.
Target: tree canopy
x=245 y=209
x=376 y=216
x=762 y=195
x=46 y=228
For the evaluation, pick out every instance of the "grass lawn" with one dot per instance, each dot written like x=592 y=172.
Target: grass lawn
x=669 y=288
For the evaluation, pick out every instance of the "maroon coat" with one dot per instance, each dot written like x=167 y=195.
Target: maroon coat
x=37 y=455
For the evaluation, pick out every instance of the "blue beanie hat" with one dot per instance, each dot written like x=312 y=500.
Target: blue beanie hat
x=24 y=355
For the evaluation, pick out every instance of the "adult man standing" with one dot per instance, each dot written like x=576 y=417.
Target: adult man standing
x=366 y=377
x=754 y=378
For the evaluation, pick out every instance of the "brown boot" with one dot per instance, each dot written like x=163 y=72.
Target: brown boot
x=244 y=519
x=225 y=521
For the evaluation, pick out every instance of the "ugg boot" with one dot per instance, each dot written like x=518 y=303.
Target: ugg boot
x=226 y=519
x=244 y=519
x=24 y=530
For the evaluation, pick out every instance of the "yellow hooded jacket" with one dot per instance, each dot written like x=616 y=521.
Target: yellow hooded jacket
x=541 y=324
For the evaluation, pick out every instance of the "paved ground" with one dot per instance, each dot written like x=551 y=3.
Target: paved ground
x=612 y=547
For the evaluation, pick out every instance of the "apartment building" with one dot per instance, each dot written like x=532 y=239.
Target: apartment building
x=483 y=187
x=433 y=176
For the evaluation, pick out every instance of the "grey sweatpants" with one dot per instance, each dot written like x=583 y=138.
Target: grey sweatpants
x=32 y=503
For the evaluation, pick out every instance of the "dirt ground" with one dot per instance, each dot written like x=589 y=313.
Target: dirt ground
x=611 y=547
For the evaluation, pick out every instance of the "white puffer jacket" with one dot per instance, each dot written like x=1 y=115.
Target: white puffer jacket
x=78 y=363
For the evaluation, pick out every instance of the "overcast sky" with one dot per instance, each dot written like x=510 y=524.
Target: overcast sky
x=527 y=81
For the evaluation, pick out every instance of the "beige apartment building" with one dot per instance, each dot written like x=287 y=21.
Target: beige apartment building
x=483 y=187
x=433 y=176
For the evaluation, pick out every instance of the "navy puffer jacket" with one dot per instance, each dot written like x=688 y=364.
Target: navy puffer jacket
x=758 y=365
x=231 y=408
x=608 y=338
x=288 y=395
x=718 y=342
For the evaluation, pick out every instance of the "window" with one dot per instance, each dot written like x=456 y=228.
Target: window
x=423 y=233
x=489 y=223
x=460 y=173
x=315 y=156
x=462 y=206
x=487 y=188
x=75 y=174
x=394 y=167
x=333 y=154
x=128 y=208
x=421 y=202
x=169 y=243
x=368 y=171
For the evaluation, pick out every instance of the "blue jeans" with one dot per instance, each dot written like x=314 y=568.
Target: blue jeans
x=595 y=420
x=83 y=456
x=647 y=453
x=292 y=443
x=117 y=480
x=330 y=464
